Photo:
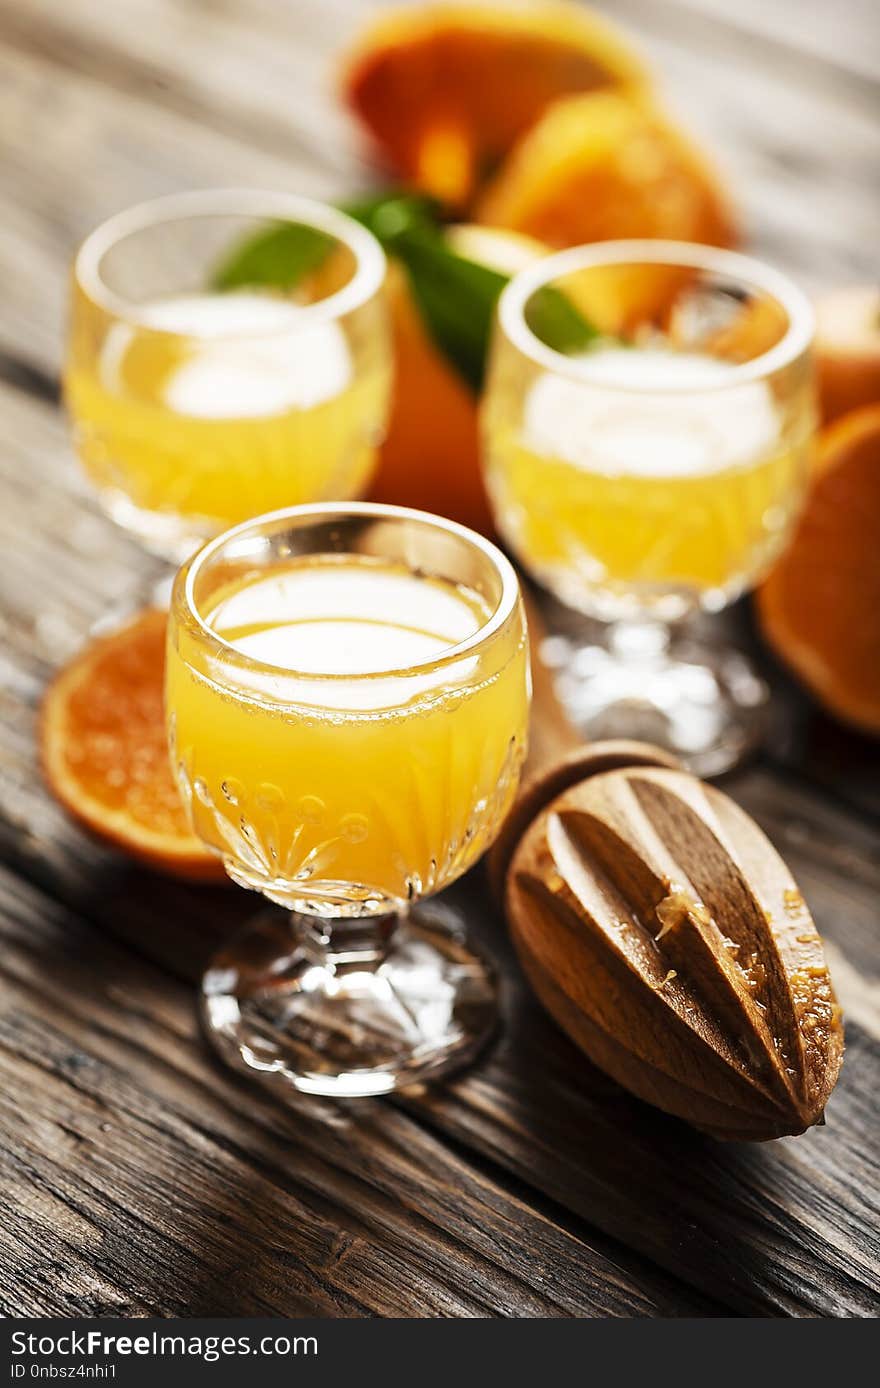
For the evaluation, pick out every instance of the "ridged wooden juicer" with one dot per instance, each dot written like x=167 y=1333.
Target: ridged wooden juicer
x=667 y=937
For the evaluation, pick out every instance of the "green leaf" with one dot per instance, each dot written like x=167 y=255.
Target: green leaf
x=281 y=254
x=389 y=215
x=555 y=321
x=456 y=297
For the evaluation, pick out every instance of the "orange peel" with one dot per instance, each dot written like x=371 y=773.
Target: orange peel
x=820 y=606
x=105 y=754
x=446 y=89
x=605 y=166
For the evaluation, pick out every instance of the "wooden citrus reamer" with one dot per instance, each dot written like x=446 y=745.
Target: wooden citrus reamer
x=663 y=932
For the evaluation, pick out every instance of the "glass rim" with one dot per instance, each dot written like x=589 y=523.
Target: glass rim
x=369 y=256
x=184 y=595
x=796 y=339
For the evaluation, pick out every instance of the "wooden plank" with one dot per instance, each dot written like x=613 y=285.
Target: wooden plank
x=735 y=1220
x=813 y=35
x=805 y=742
x=178 y=1189
x=73 y=152
x=790 y=1230
x=205 y=69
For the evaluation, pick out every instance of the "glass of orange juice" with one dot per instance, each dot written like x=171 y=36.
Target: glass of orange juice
x=347 y=697
x=195 y=405
x=647 y=423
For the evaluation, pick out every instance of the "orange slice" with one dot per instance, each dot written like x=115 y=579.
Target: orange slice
x=820 y=607
x=605 y=166
x=430 y=458
x=105 y=753
x=446 y=89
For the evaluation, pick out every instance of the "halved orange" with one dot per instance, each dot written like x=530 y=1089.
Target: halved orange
x=430 y=458
x=105 y=753
x=605 y=166
x=820 y=607
x=446 y=89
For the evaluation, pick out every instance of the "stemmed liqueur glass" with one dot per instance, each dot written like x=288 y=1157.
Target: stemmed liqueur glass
x=650 y=471
x=347 y=701
x=196 y=400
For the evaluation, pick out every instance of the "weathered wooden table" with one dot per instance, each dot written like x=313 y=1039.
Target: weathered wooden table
x=136 y=1176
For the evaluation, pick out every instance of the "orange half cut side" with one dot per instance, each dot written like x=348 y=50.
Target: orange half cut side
x=105 y=753
x=446 y=89
x=820 y=607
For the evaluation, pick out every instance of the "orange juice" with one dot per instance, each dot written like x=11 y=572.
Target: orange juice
x=211 y=408
x=673 y=486
x=357 y=754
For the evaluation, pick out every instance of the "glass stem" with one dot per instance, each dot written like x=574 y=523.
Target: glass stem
x=640 y=641
x=338 y=942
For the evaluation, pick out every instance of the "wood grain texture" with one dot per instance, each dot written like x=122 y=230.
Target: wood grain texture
x=208 y=1198
x=135 y=1175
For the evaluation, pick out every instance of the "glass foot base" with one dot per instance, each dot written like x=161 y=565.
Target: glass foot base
x=277 y=1002
x=164 y=534
x=707 y=705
